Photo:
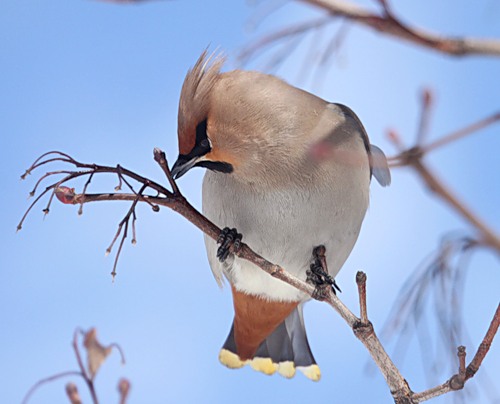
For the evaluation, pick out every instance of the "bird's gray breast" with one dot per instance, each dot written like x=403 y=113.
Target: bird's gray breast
x=284 y=225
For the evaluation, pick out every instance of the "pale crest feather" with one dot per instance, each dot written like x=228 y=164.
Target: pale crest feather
x=199 y=81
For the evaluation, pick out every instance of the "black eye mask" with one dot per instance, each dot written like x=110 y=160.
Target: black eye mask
x=202 y=146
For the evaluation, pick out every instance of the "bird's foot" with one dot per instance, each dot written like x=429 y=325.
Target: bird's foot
x=318 y=275
x=230 y=241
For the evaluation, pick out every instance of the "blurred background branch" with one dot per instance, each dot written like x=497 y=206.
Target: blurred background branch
x=386 y=22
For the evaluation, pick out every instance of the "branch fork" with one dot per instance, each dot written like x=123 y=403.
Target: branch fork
x=413 y=157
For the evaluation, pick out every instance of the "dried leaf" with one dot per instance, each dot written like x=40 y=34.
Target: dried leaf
x=96 y=353
x=65 y=194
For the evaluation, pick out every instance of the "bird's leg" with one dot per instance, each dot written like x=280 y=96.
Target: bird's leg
x=230 y=241
x=318 y=274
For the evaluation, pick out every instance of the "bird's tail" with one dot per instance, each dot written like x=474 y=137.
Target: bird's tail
x=284 y=350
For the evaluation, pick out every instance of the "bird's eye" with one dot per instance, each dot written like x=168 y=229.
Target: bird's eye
x=204 y=143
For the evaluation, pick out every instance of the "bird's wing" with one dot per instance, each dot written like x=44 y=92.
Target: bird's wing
x=217 y=267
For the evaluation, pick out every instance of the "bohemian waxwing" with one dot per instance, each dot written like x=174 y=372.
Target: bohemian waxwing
x=291 y=172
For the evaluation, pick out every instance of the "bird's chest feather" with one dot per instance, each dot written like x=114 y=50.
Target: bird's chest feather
x=284 y=225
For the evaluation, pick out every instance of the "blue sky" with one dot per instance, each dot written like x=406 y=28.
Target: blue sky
x=101 y=82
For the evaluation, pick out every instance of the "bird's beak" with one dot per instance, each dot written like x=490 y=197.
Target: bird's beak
x=183 y=165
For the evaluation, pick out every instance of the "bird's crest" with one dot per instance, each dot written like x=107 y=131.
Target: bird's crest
x=194 y=100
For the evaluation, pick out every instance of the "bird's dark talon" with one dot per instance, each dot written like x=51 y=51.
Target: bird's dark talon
x=318 y=274
x=335 y=286
x=230 y=241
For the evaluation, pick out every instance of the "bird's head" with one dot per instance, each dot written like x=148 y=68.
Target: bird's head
x=264 y=131
x=198 y=146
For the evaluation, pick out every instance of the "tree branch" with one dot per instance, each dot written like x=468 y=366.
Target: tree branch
x=456 y=382
x=387 y=23
x=413 y=157
x=48 y=380
x=88 y=379
x=96 y=354
x=362 y=328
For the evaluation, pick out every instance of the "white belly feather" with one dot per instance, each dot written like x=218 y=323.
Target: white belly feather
x=284 y=226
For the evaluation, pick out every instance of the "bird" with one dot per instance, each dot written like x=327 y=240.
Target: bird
x=287 y=172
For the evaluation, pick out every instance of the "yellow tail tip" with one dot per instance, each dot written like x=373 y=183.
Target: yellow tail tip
x=286 y=369
x=230 y=359
x=312 y=372
x=267 y=366
x=264 y=365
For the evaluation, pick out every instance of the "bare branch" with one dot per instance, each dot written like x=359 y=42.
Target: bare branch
x=439 y=269
x=361 y=281
x=96 y=353
x=413 y=157
x=289 y=32
x=387 y=23
x=160 y=157
x=88 y=379
x=414 y=160
x=48 y=380
x=485 y=345
x=425 y=115
x=125 y=221
x=80 y=209
x=456 y=382
x=459 y=134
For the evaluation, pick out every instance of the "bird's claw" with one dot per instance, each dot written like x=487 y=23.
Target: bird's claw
x=230 y=241
x=318 y=275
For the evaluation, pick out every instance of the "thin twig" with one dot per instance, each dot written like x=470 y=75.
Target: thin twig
x=134 y=235
x=361 y=282
x=46 y=175
x=461 y=357
x=62 y=157
x=425 y=115
x=413 y=157
x=48 y=380
x=455 y=382
x=485 y=345
x=90 y=168
x=289 y=32
x=120 y=351
x=80 y=209
x=160 y=157
x=139 y=194
x=459 y=134
x=21 y=222
x=125 y=221
x=71 y=389
x=88 y=380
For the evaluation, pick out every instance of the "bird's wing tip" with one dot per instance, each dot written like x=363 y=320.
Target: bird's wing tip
x=380 y=167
